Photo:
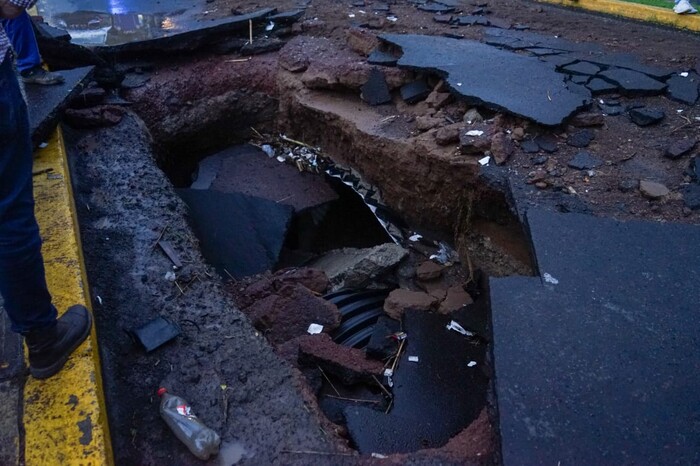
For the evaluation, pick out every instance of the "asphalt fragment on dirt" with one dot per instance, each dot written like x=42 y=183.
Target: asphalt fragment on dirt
x=583 y=371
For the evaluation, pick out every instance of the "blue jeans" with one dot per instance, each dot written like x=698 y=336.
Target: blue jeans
x=22 y=282
x=20 y=30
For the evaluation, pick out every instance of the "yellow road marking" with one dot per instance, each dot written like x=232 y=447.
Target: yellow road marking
x=635 y=11
x=65 y=420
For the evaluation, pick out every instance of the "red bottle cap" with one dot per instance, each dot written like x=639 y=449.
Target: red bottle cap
x=161 y=391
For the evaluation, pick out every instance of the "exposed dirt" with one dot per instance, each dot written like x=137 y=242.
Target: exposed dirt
x=194 y=106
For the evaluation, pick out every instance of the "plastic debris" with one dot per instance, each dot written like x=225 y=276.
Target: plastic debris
x=202 y=441
x=270 y=26
x=400 y=336
x=99 y=299
x=268 y=149
x=392 y=18
x=351 y=15
x=413 y=358
x=315 y=329
x=445 y=255
x=474 y=132
x=388 y=373
x=549 y=279
x=280 y=159
x=170 y=276
x=471 y=364
x=684 y=74
x=415 y=237
x=379 y=456
x=485 y=161
x=459 y=329
x=43 y=145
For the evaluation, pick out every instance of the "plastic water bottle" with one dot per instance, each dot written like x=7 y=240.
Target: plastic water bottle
x=176 y=412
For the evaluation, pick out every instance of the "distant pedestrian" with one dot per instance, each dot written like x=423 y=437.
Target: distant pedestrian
x=21 y=33
x=683 y=7
x=26 y=297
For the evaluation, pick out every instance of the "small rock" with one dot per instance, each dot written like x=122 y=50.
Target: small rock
x=94 y=117
x=362 y=41
x=518 y=134
x=502 y=148
x=587 y=119
x=443 y=19
x=470 y=145
x=611 y=110
x=540 y=160
x=541 y=185
x=691 y=196
x=529 y=146
x=652 y=190
x=429 y=270
x=537 y=176
x=472 y=116
x=679 y=148
x=438 y=100
x=414 y=92
x=424 y=123
x=646 y=116
x=580 y=138
x=447 y=135
x=400 y=301
x=455 y=300
x=584 y=160
x=627 y=185
x=547 y=142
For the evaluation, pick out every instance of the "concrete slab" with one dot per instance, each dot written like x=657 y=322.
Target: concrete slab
x=498 y=79
x=434 y=398
x=240 y=235
x=596 y=361
x=46 y=103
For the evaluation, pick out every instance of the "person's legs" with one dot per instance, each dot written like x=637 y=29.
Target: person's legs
x=26 y=298
x=22 y=282
x=21 y=34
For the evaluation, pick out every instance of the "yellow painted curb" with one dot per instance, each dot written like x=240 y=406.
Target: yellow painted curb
x=65 y=420
x=635 y=11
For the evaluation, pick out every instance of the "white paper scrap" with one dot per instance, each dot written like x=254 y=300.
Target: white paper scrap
x=315 y=329
x=459 y=329
x=485 y=161
x=684 y=74
x=415 y=237
x=549 y=279
x=413 y=358
x=379 y=456
x=474 y=132
x=471 y=363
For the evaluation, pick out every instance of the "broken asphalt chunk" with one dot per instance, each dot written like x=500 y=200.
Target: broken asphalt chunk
x=377 y=57
x=683 y=89
x=580 y=138
x=645 y=116
x=584 y=160
x=415 y=91
x=601 y=86
x=156 y=333
x=436 y=8
x=581 y=68
x=691 y=196
x=525 y=86
x=547 y=142
x=375 y=91
x=680 y=148
x=632 y=82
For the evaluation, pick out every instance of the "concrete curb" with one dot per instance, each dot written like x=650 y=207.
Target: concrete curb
x=634 y=11
x=64 y=417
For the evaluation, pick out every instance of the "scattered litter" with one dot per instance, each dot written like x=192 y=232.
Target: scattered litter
x=270 y=26
x=280 y=159
x=362 y=12
x=485 y=161
x=379 y=456
x=315 y=329
x=388 y=373
x=459 y=329
x=680 y=110
x=202 y=441
x=99 y=299
x=475 y=132
x=415 y=237
x=445 y=256
x=268 y=149
x=43 y=145
x=170 y=252
x=392 y=18
x=459 y=84
x=155 y=333
x=413 y=358
x=351 y=15
x=400 y=336
x=684 y=74
x=170 y=276
x=471 y=363
x=549 y=279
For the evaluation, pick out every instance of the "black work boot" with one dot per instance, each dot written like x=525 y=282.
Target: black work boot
x=49 y=349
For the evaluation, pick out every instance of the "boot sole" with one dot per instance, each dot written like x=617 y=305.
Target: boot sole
x=46 y=372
